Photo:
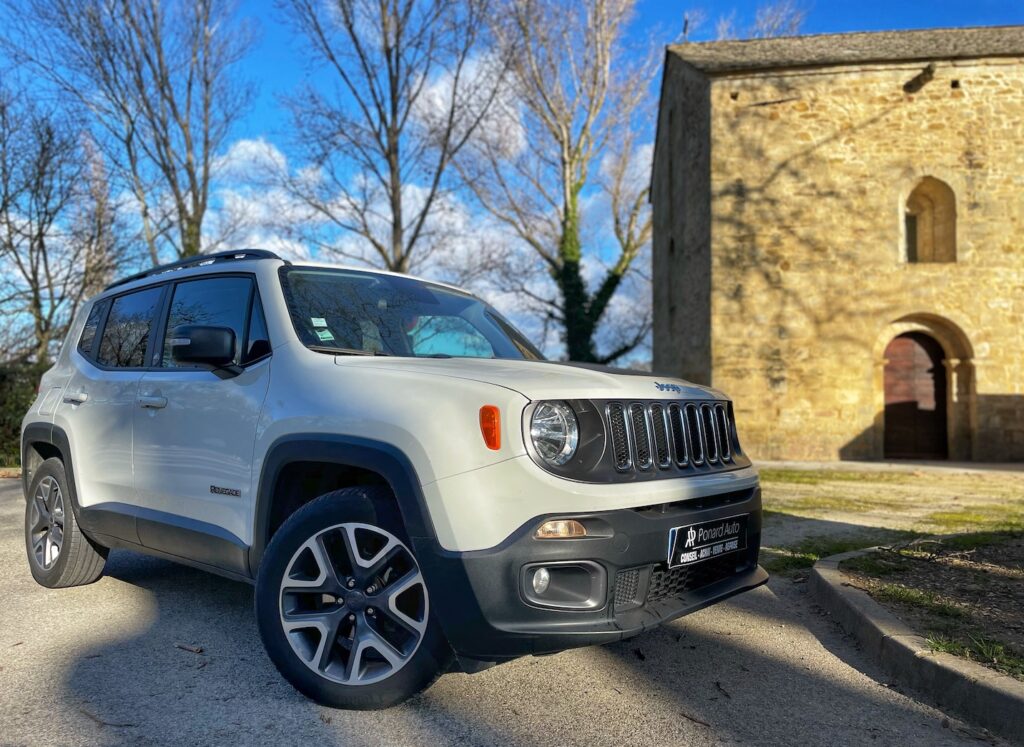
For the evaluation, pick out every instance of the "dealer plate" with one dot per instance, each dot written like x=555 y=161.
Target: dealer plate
x=696 y=543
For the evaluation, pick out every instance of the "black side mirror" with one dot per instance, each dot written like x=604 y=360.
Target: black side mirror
x=211 y=346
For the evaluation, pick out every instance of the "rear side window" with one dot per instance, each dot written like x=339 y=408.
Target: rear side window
x=211 y=302
x=87 y=341
x=126 y=333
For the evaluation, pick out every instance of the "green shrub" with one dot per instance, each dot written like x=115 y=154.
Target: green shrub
x=17 y=391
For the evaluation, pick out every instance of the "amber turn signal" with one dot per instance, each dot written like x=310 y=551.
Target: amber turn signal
x=560 y=529
x=490 y=426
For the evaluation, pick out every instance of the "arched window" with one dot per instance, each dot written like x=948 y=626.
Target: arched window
x=930 y=222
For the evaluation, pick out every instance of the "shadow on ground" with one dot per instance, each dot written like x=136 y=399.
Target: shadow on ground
x=751 y=670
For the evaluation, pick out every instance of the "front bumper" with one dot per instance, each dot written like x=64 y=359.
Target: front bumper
x=478 y=598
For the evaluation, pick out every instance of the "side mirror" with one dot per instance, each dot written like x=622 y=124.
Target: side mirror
x=211 y=346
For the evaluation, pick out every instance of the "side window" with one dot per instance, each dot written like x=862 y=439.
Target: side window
x=258 y=341
x=211 y=302
x=126 y=332
x=88 y=339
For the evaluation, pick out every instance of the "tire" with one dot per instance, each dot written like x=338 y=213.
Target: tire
x=343 y=634
x=59 y=554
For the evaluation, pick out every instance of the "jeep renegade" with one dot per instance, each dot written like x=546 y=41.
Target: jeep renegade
x=412 y=488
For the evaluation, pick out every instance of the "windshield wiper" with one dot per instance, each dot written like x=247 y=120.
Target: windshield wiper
x=344 y=351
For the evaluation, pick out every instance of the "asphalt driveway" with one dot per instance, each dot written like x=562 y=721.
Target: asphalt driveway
x=156 y=653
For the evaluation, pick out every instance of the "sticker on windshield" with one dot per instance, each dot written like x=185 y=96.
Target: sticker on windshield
x=318 y=321
x=324 y=335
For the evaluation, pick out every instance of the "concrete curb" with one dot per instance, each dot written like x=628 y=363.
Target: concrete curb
x=984 y=696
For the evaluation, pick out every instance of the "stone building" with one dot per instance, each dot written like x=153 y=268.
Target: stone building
x=839 y=240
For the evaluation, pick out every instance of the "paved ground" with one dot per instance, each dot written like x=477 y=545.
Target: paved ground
x=100 y=665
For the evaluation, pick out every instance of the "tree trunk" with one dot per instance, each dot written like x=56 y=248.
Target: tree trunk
x=579 y=327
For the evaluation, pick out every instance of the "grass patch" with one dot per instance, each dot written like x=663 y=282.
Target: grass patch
x=975 y=540
x=819 y=476
x=983 y=518
x=871 y=565
x=804 y=554
x=927 y=601
x=982 y=650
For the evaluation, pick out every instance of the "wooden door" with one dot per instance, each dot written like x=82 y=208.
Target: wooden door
x=915 y=398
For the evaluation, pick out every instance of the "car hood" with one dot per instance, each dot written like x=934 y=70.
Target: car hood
x=539 y=380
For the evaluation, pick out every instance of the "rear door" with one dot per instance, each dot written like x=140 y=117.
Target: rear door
x=98 y=404
x=195 y=429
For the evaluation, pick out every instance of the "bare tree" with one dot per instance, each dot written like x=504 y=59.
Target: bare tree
x=575 y=119
x=157 y=78
x=412 y=83
x=781 y=18
x=59 y=233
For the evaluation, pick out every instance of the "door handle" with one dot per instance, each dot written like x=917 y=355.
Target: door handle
x=75 y=398
x=152 y=403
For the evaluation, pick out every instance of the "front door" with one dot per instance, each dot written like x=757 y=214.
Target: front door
x=915 y=398
x=195 y=430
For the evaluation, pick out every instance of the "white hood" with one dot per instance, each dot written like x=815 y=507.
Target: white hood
x=539 y=380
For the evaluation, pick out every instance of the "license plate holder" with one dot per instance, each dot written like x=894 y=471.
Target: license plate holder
x=694 y=543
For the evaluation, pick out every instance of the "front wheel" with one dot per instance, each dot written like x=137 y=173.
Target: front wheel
x=342 y=607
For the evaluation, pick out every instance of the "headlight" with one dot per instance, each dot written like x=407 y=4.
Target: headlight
x=555 y=432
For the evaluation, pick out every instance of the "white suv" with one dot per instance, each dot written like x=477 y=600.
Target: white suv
x=411 y=486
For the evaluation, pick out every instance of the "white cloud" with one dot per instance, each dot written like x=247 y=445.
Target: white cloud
x=249 y=157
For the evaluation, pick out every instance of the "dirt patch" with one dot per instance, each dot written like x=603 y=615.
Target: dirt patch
x=964 y=594
x=9 y=472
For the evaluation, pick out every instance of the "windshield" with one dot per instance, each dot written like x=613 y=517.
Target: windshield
x=354 y=312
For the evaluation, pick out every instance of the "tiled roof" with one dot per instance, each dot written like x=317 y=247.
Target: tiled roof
x=845 y=49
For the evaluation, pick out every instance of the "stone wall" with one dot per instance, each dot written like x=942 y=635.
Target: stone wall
x=810 y=172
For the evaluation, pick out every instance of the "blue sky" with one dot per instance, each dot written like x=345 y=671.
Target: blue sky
x=277 y=64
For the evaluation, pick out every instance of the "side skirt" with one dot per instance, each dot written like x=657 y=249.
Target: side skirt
x=174 y=537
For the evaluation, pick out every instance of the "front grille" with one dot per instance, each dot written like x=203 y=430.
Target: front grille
x=672 y=582
x=678 y=435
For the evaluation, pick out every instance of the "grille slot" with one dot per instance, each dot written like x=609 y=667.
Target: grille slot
x=707 y=424
x=694 y=434
x=659 y=428
x=641 y=435
x=724 y=432
x=620 y=438
x=675 y=418
x=627 y=584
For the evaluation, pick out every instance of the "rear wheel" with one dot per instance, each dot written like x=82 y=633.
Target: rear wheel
x=59 y=554
x=342 y=606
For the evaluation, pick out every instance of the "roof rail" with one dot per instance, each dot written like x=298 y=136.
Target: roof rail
x=198 y=261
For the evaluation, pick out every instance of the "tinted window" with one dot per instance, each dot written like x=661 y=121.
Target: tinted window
x=85 y=342
x=258 y=341
x=126 y=332
x=212 y=302
x=385 y=314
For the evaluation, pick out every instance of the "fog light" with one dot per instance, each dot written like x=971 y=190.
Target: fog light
x=541 y=579
x=560 y=529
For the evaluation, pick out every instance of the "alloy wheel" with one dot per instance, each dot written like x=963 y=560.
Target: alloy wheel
x=46 y=532
x=353 y=604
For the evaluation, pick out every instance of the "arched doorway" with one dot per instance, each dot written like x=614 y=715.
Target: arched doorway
x=915 y=385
